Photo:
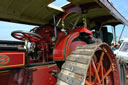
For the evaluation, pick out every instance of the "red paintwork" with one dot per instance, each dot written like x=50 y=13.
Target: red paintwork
x=4 y=77
x=74 y=45
x=46 y=43
x=42 y=75
x=46 y=32
x=39 y=75
x=81 y=29
x=62 y=46
x=74 y=9
x=16 y=59
x=17 y=76
x=65 y=46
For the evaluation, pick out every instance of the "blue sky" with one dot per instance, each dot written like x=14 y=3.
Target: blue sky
x=122 y=7
x=7 y=28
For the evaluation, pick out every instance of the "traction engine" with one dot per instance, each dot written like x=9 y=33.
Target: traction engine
x=85 y=58
x=50 y=54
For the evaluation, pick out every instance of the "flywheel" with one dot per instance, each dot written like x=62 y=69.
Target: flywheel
x=92 y=64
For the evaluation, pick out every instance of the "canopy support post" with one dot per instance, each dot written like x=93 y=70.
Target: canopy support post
x=121 y=33
x=55 y=29
x=114 y=30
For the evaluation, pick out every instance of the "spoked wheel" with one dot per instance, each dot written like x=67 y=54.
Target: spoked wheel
x=92 y=64
x=23 y=35
x=102 y=67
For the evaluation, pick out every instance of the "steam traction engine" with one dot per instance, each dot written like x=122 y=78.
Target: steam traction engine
x=63 y=53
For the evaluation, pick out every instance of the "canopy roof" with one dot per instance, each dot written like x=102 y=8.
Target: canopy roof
x=28 y=11
x=39 y=12
x=98 y=12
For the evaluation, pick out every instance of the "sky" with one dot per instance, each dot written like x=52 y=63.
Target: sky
x=122 y=7
x=7 y=28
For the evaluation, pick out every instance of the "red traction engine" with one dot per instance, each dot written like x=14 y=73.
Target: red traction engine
x=21 y=64
x=50 y=55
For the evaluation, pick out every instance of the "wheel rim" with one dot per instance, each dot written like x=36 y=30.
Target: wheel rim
x=23 y=35
x=81 y=67
x=102 y=68
x=19 y=36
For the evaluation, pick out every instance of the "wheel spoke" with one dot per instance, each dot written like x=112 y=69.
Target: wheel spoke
x=18 y=35
x=97 y=75
x=107 y=73
x=31 y=36
x=102 y=73
x=98 y=68
x=34 y=39
x=100 y=61
x=90 y=79
x=95 y=59
x=25 y=34
x=87 y=83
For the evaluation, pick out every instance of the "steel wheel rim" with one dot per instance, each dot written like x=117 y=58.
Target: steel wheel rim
x=102 y=69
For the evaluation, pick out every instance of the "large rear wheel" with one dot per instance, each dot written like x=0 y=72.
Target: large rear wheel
x=92 y=64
